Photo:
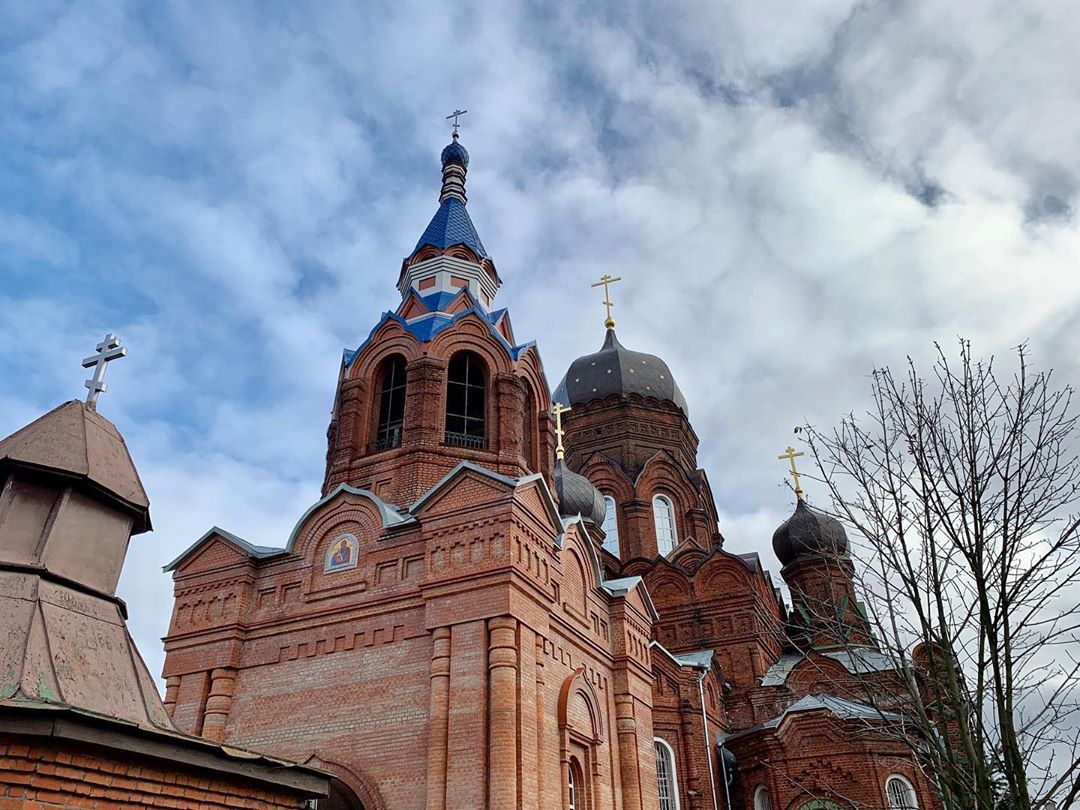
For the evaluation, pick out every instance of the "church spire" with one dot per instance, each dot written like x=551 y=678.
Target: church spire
x=449 y=256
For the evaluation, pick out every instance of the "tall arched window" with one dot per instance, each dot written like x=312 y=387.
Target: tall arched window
x=665 y=775
x=611 y=526
x=466 y=392
x=575 y=785
x=762 y=798
x=664 y=516
x=901 y=794
x=391 y=403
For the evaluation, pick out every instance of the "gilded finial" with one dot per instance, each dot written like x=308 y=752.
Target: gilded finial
x=606 y=281
x=559 y=409
x=791 y=455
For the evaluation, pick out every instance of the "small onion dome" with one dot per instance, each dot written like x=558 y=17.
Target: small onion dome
x=617 y=370
x=577 y=496
x=808 y=532
x=455 y=153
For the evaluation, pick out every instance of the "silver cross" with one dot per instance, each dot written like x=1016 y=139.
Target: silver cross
x=109 y=349
x=455 y=115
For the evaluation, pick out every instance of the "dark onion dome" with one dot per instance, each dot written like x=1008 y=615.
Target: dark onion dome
x=617 y=370
x=577 y=496
x=455 y=153
x=808 y=532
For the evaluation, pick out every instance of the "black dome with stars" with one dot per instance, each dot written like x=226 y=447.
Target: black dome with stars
x=617 y=370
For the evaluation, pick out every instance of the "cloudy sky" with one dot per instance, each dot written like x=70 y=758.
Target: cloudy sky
x=793 y=193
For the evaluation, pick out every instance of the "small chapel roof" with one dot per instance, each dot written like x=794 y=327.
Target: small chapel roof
x=74 y=441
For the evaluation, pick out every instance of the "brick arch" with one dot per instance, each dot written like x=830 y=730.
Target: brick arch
x=577 y=686
x=638 y=566
x=390 y=338
x=668 y=587
x=530 y=368
x=661 y=475
x=817 y=673
x=471 y=333
x=362 y=786
x=722 y=573
x=688 y=554
x=608 y=477
x=345 y=508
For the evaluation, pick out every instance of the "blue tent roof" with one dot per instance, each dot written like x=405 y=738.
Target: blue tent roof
x=450 y=226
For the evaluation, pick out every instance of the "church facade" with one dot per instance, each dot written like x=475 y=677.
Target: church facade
x=512 y=598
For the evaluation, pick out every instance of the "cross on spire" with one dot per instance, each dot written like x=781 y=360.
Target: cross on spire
x=455 y=115
x=108 y=350
x=606 y=281
x=559 y=409
x=791 y=455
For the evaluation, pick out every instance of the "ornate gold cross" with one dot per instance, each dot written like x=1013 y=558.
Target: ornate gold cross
x=559 y=409
x=606 y=281
x=791 y=455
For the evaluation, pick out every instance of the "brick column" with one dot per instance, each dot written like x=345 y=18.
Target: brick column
x=639 y=531
x=510 y=401
x=626 y=727
x=502 y=713
x=541 y=723
x=345 y=436
x=438 y=717
x=172 y=687
x=425 y=379
x=218 y=704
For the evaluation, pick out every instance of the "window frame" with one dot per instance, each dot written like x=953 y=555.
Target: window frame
x=468 y=436
x=669 y=755
x=612 y=513
x=759 y=792
x=669 y=506
x=911 y=799
x=388 y=433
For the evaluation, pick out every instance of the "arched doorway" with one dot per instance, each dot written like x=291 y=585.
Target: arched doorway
x=341 y=798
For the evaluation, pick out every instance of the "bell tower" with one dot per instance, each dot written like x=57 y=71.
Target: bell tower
x=441 y=379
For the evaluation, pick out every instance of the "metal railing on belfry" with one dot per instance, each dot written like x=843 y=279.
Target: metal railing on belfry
x=465 y=440
x=391 y=438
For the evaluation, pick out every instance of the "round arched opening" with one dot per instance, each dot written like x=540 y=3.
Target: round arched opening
x=341 y=798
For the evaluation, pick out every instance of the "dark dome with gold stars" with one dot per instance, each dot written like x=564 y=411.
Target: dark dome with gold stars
x=618 y=370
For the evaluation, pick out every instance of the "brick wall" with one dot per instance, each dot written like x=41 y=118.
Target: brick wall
x=45 y=774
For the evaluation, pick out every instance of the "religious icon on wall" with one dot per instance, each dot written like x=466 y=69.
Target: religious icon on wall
x=341 y=554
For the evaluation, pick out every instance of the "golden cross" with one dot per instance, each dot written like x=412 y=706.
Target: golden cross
x=791 y=455
x=559 y=409
x=606 y=281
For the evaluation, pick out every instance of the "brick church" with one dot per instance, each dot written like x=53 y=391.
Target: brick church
x=508 y=598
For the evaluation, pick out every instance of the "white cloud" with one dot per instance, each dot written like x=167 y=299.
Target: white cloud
x=232 y=192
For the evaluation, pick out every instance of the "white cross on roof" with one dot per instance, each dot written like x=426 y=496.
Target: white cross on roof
x=108 y=350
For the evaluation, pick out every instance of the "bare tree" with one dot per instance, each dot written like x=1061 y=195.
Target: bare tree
x=957 y=491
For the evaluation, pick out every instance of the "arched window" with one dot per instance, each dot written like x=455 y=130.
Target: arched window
x=466 y=392
x=901 y=794
x=664 y=515
x=762 y=798
x=665 y=775
x=391 y=403
x=611 y=526
x=575 y=786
